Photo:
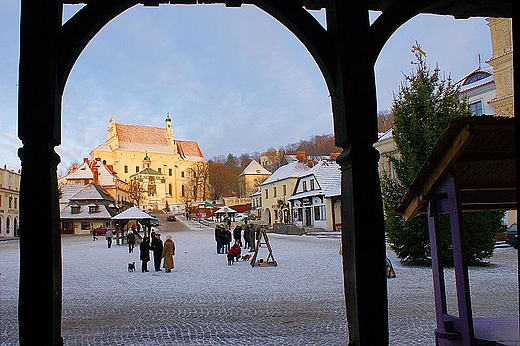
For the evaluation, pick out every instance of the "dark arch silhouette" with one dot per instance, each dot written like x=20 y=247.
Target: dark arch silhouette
x=49 y=49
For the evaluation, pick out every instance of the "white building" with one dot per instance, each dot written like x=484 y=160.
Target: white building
x=316 y=201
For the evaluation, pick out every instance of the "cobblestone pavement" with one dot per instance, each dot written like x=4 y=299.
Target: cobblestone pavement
x=206 y=302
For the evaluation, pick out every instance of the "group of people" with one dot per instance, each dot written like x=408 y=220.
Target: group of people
x=223 y=237
x=160 y=251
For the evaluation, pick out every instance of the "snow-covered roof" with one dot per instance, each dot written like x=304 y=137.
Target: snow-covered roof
x=327 y=175
x=91 y=192
x=103 y=212
x=225 y=210
x=385 y=135
x=69 y=190
x=132 y=213
x=254 y=168
x=291 y=170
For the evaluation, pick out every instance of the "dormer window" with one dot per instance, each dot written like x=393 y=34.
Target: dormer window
x=92 y=209
x=74 y=209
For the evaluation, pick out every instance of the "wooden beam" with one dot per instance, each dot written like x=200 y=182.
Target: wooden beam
x=460 y=142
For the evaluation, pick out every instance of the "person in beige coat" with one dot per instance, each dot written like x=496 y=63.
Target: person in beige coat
x=168 y=253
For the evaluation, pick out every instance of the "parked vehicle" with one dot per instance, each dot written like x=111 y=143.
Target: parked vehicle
x=171 y=218
x=240 y=217
x=154 y=222
x=512 y=236
x=102 y=230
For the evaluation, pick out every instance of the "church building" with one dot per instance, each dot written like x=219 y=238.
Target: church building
x=163 y=165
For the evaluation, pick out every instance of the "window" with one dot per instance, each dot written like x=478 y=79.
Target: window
x=136 y=169
x=125 y=169
x=182 y=174
x=476 y=108
x=183 y=193
x=10 y=202
x=170 y=189
x=266 y=193
x=0 y=200
x=92 y=209
x=85 y=226
x=304 y=186
x=274 y=191
x=317 y=214
x=74 y=209
x=312 y=184
x=159 y=170
x=170 y=172
x=284 y=189
x=15 y=203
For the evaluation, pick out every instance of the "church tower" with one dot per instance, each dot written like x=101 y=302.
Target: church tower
x=169 y=133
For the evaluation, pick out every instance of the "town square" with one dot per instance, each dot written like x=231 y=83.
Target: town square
x=258 y=173
x=206 y=302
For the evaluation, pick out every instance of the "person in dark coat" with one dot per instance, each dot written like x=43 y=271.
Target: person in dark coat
x=218 y=238
x=252 y=239
x=130 y=239
x=144 y=251
x=157 y=248
x=237 y=235
x=227 y=240
x=246 y=236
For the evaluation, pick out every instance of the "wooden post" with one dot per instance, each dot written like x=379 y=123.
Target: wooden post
x=39 y=113
x=355 y=127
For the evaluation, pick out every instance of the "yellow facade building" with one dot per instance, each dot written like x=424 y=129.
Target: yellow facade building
x=168 y=169
x=502 y=61
x=9 y=202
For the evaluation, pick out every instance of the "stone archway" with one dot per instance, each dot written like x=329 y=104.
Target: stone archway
x=49 y=49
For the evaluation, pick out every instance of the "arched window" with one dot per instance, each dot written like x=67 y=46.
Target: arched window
x=182 y=191
x=8 y=225
x=170 y=189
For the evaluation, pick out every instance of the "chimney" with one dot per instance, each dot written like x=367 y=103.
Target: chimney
x=95 y=172
x=301 y=156
x=310 y=163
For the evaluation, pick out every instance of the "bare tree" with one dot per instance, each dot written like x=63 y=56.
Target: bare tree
x=198 y=175
x=136 y=191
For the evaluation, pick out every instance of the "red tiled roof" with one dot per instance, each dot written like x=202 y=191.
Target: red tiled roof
x=189 y=148
x=141 y=134
x=154 y=139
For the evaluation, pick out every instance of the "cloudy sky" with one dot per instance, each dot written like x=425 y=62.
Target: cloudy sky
x=232 y=79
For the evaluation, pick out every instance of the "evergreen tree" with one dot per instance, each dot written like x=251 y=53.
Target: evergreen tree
x=422 y=110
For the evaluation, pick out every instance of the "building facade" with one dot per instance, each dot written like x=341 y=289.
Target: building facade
x=177 y=162
x=90 y=207
x=276 y=190
x=9 y=202
x=251 y=177
x=501 y=30
x=316 y=201
x=99 y=173
x=478 y=88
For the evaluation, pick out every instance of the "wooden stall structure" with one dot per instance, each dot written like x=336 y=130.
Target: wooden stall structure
x=472 y=167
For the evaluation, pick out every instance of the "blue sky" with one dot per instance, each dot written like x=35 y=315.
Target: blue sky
x=232 y=79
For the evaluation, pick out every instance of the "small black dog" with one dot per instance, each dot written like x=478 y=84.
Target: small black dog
x=131 y=266
x=230 y=258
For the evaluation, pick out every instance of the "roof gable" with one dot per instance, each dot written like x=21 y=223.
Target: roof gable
x=92 y=192
x=254 y=168
x=288 y=171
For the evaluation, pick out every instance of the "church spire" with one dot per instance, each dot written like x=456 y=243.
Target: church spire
x=169 y=132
